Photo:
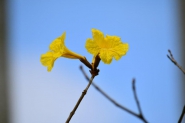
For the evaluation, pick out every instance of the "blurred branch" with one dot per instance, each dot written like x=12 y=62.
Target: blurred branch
x=140 y=115
x=183 y=112
x=137 y=101
x=174 y=61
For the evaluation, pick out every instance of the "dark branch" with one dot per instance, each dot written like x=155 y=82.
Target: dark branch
x=140 y=116
x=137 y=101
x=174 y=61
x=183 y=112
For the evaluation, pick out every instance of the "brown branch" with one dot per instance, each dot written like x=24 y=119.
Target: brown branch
x=80 y=99
x=174 y=61
x=140 y=116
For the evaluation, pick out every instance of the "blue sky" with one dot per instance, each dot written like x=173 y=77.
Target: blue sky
x=150 y=27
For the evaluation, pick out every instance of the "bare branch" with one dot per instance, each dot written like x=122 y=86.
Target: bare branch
x=140 y=116
x=174 y=61
x=79 y=100
x=137 y=101
x=183 y=112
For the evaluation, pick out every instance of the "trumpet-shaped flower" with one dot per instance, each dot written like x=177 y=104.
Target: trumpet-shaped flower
x=107 y=47
x=58 y=49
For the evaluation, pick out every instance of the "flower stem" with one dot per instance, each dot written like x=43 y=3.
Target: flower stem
x=80 y=99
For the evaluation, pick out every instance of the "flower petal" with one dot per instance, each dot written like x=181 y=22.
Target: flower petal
x=58 y=44
x=47 y=60
x=92 y=47
x=106 y=56
x=119 y=50
x=98 y=37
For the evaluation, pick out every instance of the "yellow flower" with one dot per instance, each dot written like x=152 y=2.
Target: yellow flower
x=58 y=49
x=107 y=47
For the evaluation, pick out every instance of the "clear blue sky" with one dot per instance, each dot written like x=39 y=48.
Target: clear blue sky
x=150 y=27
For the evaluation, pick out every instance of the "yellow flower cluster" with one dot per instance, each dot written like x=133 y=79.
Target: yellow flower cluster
x=105 y=48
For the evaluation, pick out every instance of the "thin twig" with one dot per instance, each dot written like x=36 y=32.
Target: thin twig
x=174 y=61
x=80 y=99
x=137 y=101
x=112 y=100
x=183 y=112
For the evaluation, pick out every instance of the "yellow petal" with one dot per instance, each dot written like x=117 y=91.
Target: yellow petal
x=47 y=60
x=58 y=46
x=98 y=37
x=119 y=50
x=92 y=47
x=112 y=41
x=106 y=56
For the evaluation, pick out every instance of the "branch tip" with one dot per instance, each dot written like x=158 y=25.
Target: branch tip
x=174 y=61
